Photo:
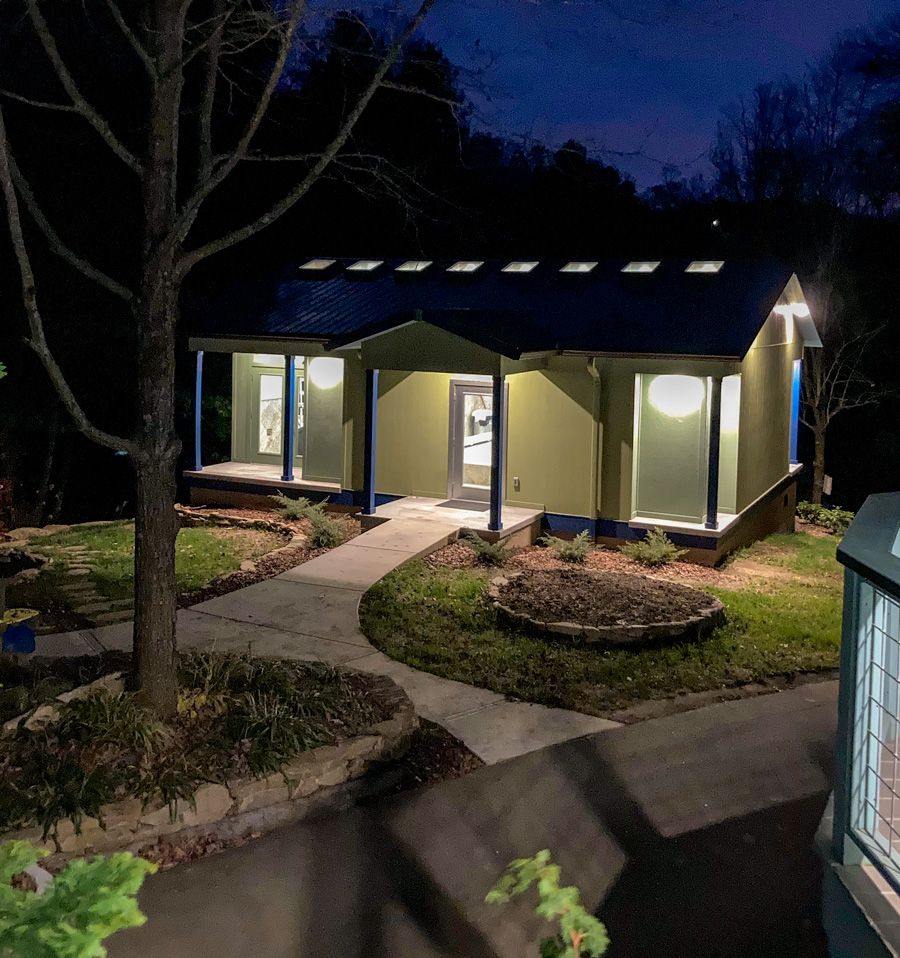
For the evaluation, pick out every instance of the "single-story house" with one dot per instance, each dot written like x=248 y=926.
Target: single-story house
x=610 y=397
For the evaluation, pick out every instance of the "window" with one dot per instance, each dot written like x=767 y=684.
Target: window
x=705 y=266
x=270 y=415
x=365 y=265
x=671 y=447
x=578 y=267
x=318 y=264
x=414 y=266
x=465 y=266
x=640 y=266
x=520 y=267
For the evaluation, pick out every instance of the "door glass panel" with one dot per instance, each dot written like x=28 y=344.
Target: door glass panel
x=477 y=425
x=270 y=406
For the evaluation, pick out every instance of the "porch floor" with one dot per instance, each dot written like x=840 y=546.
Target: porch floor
x=262 y=474
x=475 y=519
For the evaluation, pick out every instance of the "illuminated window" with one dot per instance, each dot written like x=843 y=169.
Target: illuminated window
x=640 y=266
x=578 y=267
x=318 y=264
x=414 y=266
x=519 y=267
x=705 y=266
x=465 y=266
x=365 y=265
x=273 y=359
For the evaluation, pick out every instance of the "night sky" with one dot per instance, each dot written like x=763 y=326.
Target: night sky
x=556 y=70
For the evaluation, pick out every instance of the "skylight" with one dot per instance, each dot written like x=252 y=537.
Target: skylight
x=578 y=267
x=318 y=264
x=414 y=266
x=365 y=265
x=465 y=266
x=705 y=266
x=640 y=266
x=519 y=267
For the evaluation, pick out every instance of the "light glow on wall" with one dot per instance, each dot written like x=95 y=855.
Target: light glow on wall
x=731 y=404
x=677 y=396
x=326 y=372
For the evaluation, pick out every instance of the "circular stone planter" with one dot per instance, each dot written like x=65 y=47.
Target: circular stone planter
x=698 y=613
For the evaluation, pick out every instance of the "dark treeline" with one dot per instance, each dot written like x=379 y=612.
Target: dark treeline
x=805 y=169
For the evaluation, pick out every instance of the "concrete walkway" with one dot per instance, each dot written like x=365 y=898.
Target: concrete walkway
x=311 y=612
x=690 y=835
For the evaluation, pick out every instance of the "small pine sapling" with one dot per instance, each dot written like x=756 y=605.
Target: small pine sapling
x=655 y=549
x=486 y=553
x=570 y=550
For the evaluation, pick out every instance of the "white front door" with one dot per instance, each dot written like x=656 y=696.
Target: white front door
x=471 y=441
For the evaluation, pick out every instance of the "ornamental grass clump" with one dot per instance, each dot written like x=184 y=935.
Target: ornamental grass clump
x=574 y=550
x=655 y=549
x=237 y=716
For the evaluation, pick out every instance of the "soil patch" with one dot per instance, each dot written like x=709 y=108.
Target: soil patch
x=606 y=599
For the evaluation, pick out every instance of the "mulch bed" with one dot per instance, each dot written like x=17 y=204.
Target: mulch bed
x=589 y=598
x=458 y=555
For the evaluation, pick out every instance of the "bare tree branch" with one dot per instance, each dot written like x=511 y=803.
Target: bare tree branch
x=40 y=104
x=232 y=159
x=80 y=104
x=192 y=257
x=208 y=97
x=38 y=341
x=57 y=245
x=132 y=39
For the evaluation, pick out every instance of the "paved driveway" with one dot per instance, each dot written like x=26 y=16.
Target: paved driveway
x=691 y=835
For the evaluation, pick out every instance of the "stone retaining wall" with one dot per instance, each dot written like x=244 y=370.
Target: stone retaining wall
x=305 y=785
x=693 y=628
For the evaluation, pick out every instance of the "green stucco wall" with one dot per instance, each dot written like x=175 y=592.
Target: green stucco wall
x=763 y=448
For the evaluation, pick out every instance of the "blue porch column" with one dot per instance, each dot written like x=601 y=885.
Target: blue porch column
x=498 y=419
x=198 y=403
x=715 y=432
x=370 y=437
x=287 y=429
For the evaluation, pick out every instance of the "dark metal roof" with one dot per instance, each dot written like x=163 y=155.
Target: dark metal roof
x=871 y=546
x=667 y=312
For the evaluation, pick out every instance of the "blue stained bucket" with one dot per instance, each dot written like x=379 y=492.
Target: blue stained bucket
x=19 y=638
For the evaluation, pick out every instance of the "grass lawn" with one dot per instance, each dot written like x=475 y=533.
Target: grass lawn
x=201 y=555
x=782 y=596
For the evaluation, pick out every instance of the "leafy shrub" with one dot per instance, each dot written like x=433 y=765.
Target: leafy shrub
x=835 y=520
x=570 y=550
x=580 y=933
x=486 y=553
x=655 y=549
x=84 y=904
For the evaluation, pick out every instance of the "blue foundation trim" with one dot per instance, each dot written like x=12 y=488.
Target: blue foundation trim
x=346 y=497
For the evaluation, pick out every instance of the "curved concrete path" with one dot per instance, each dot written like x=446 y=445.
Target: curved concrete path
x=311 y=612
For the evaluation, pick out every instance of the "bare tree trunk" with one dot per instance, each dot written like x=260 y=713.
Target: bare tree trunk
x=156 y=308
x=40 y=509
x=819 y=461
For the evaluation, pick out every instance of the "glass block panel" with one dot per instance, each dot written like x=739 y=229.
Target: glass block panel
x=271 y=401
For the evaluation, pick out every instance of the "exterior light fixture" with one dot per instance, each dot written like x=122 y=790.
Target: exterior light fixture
x=318 y=264
x=578 y=267
x=365 y=265
x=640 y=266
x=414 y=266
x=677 y=396
x=519 y=267
x=705 y=266
x=465 y=266
x=801 y=310
x=326 y=372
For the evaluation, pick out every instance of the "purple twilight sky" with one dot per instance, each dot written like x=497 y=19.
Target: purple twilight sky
x=555 y=70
